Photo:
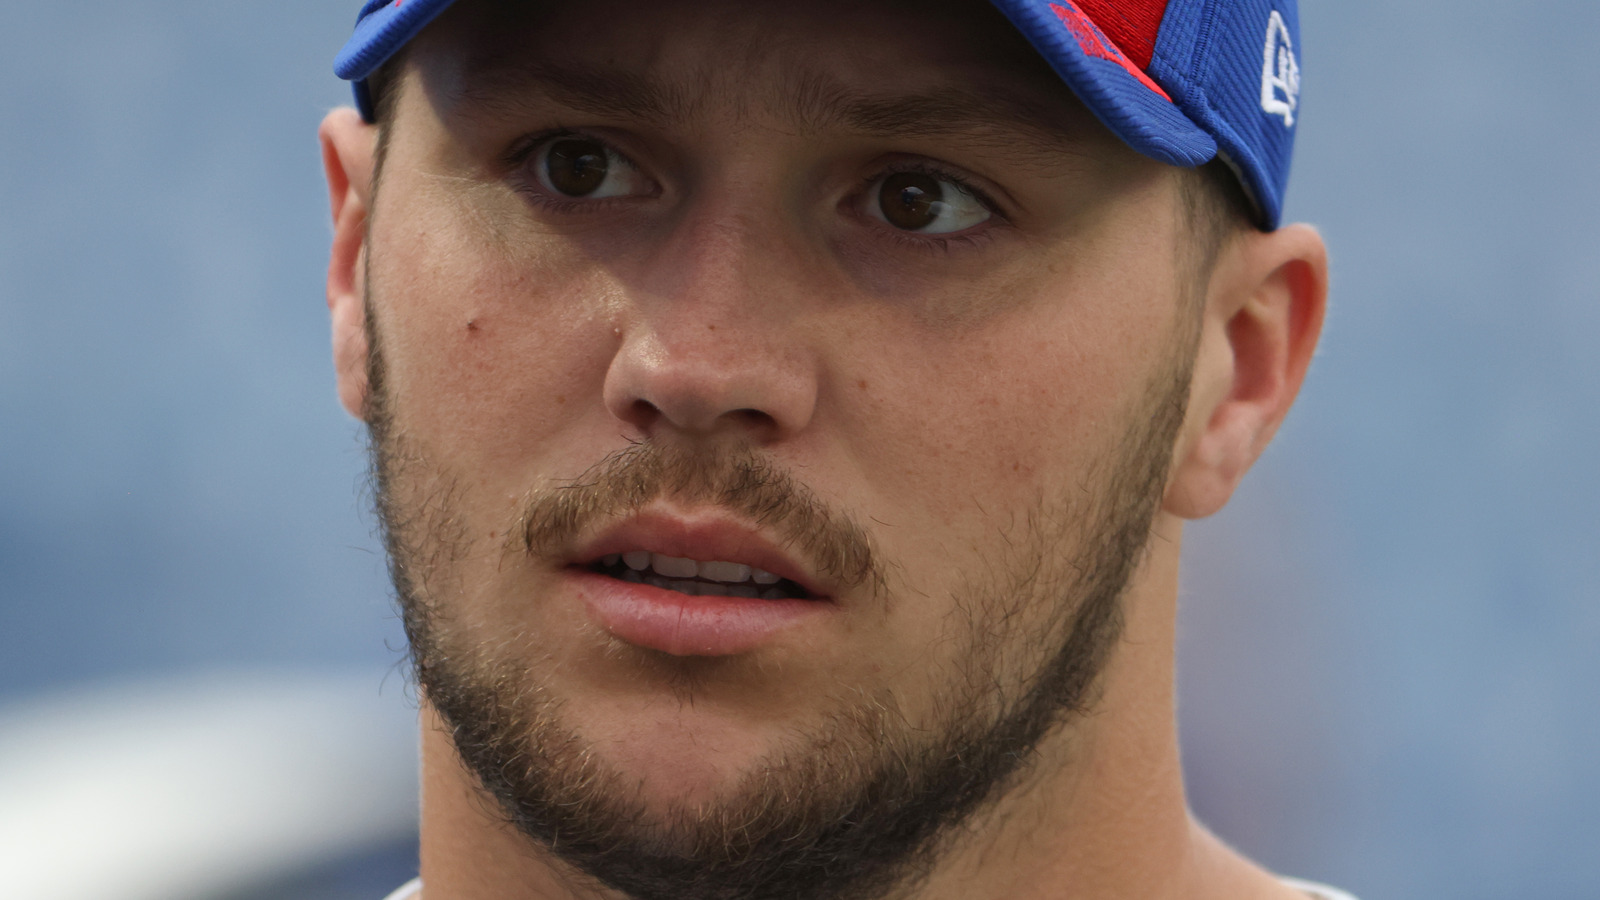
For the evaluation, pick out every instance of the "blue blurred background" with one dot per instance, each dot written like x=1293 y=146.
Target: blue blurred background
x=1391 y=640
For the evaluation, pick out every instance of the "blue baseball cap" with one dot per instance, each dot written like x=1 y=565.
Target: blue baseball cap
x=1181 y=81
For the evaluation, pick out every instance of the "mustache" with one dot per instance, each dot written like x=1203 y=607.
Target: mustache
x=734 y=479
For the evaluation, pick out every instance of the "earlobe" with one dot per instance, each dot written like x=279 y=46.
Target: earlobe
x=1263 y=317
x=348 y=145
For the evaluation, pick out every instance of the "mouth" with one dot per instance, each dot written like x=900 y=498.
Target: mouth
x=699 y=578
x=697 y=583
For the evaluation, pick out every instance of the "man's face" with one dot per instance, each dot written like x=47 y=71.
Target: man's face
x=851 y=301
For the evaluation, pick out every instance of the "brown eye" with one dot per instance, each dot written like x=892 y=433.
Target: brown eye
x=575 y=167
x=910 y=200
x=580 y=167
x=917 y=201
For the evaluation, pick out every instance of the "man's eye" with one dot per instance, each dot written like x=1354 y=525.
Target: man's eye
x=583 y=167
x=927 y=204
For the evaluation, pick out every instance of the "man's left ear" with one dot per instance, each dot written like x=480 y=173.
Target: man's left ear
x=1263 y=315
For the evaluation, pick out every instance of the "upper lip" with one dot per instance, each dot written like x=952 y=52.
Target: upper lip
x=703 y=535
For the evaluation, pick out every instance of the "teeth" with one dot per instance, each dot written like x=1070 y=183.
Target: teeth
x=707 y=589
x=655 y=568
x=726 y=572
x=673 y=566
x=745 y=591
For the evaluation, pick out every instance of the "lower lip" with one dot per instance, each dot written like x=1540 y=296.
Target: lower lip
x=682 y=625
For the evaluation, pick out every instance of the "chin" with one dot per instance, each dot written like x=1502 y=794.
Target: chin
x=683 y=751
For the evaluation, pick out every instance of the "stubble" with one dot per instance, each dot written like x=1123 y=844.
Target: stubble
x=861 y=806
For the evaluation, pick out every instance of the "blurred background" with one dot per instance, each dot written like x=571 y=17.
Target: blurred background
x=1391 y=640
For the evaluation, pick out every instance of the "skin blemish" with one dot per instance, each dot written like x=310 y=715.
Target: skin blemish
x=862 y=385
x=472 y=325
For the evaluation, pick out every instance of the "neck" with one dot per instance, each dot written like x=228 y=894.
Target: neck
x=1100 y=815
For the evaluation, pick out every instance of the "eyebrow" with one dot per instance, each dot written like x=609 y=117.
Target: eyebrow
x=816 y=103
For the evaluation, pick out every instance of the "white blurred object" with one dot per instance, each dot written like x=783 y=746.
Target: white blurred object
x=179 y=789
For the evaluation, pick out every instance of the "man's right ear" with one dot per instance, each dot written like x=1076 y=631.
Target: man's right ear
x=348 y=147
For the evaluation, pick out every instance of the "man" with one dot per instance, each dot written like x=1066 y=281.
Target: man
x=784 y=416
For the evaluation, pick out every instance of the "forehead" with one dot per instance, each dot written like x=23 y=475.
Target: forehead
x=868 y=64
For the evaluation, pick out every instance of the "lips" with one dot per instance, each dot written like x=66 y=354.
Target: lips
x=695 y=585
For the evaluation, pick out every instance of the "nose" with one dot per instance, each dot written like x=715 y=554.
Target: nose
x=710 y=343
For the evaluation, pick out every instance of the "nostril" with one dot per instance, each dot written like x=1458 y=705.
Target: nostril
x=644 y=410
x=753 y=417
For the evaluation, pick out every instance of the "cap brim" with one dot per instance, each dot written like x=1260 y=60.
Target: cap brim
x=383 y=27
x=1121 y=96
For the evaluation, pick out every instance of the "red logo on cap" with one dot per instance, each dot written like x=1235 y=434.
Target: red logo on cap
x=1094 y=43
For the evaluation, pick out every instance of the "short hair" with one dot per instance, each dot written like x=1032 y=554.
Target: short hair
x=383 y=93
x=1216 y=209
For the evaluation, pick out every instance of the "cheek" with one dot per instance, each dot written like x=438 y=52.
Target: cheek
x=487 y=354
x=958 y=426
x=979 y=457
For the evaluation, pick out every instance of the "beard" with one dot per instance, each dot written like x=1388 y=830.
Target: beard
x=857 y=806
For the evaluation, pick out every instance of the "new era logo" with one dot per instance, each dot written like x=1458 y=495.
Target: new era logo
x=1280 y=72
